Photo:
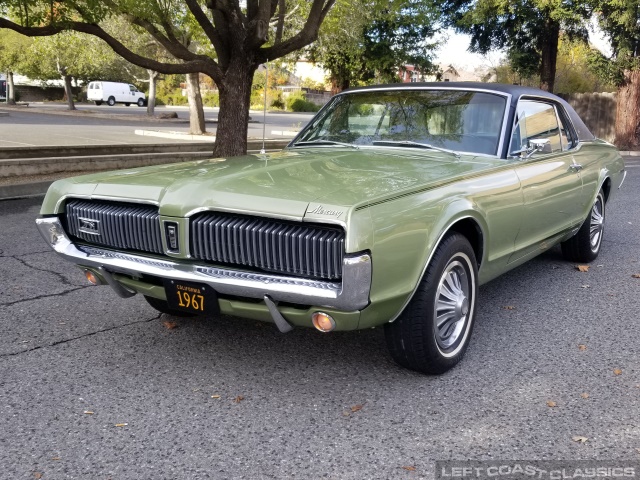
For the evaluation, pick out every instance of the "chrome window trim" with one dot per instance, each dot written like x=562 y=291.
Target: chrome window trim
x=505 y=117
x=352 y=294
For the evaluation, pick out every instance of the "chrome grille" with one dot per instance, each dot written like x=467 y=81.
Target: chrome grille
x=271 y=245
x=124 y=226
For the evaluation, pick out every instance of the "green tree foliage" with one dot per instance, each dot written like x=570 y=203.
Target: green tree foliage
x=235 y=38
x=370 y=40
x=574 y=72
x=528 y=29
x=620 y=21
x=12 y=48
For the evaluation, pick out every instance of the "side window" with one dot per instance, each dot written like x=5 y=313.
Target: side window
x=566 y=132
x=132 y=88
x=536 y=121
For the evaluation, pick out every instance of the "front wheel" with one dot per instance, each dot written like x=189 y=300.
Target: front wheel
x=585 y=245
x=111 y=102
x=432 y=333
x=141 y=102
x=127 y=104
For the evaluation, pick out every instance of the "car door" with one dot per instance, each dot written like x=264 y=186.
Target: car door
x=551 y=182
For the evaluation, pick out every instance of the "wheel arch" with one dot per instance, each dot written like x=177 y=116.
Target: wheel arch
x=469 y=224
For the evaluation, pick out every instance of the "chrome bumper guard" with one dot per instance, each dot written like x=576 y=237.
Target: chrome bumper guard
x=350 y=295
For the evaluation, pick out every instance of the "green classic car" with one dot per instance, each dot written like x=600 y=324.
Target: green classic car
x=389 y=208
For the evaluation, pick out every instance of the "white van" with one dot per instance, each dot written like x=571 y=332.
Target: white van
x=115 y=92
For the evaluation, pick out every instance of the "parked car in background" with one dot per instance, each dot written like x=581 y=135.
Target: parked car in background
x=390 y=208
x=115 y=92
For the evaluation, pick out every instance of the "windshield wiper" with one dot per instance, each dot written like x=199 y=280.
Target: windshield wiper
x=409 y=143
x=324 y=142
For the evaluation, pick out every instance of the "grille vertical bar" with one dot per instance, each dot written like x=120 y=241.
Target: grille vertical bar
x=119 y=225
x=274 y=245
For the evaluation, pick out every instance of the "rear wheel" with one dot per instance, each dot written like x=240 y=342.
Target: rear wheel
x=585 y=245
x=98 y=102
x=111 y=101
x=432 y=333
x=163 y=307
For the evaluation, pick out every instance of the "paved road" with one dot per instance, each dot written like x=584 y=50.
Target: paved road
x=69 y=348
x=22 y=128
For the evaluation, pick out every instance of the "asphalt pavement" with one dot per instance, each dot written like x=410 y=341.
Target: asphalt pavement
x=52 y=124
x=96 y=387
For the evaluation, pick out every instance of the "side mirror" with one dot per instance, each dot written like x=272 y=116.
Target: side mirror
x=542 y=145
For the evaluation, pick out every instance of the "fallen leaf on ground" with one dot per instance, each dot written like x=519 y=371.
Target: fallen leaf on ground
x=55 y=459
x=582 y=347
x=121 y=424
x=215 y=396
x=346 y=414
x=617 y=371
x=586 y=286
x=509 y=307
x=238 y=399
x=88 y=412
x=577 y=438
x=551 y=403
x=409 y=468
x=356 y=408
x=584 y=395
x=636 y=275
x=582 y=268
x=169 y=325
x=37 y=474
x=638 y=450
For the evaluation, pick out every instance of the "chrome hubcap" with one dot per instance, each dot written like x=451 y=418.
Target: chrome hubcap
x=597 y=224
x=452 y=304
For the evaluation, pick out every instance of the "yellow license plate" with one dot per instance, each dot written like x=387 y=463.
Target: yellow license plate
x=191 y=297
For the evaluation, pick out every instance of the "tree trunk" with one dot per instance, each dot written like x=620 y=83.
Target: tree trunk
x=196 y=112
x=233 y=119
x=151 y=99
x=628 y=112
x=549 y=54
x=11 y=89
x=68 y=91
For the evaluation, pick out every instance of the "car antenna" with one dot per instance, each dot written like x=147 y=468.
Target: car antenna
x=264 y=111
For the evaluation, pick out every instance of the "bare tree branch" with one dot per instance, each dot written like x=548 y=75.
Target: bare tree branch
x=207 y=26
x=304 y=37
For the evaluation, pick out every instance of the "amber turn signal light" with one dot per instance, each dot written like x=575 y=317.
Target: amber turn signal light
x=323 y=321
x=92 y=277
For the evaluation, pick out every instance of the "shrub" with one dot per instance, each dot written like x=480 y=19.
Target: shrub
x=297 y=102
x=211 y=99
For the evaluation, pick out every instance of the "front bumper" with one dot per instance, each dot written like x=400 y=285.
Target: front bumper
x=350 y=295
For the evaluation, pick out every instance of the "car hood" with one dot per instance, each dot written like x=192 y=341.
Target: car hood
x=288 y=184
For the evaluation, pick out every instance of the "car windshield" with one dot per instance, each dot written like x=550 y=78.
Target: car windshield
x=462 y=121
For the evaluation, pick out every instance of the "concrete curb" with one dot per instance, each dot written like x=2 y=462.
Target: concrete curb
x=175 y=135
x=24 y=190
x=632 y=153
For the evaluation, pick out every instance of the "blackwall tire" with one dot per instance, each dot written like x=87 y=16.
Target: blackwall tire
x=433 y=332
x=585 y=245
x=111 y=101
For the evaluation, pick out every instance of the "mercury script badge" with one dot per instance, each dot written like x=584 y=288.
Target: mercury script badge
x=89 y=225
x=319 y=210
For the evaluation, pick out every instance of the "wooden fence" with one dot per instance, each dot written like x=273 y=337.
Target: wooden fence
x=597 y=110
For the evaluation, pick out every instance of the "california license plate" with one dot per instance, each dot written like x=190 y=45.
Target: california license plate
x=191 y=297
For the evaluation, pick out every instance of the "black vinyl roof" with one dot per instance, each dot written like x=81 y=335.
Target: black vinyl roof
x=516 y=92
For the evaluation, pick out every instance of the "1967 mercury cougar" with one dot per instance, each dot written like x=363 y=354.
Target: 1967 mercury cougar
x=390 y=208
